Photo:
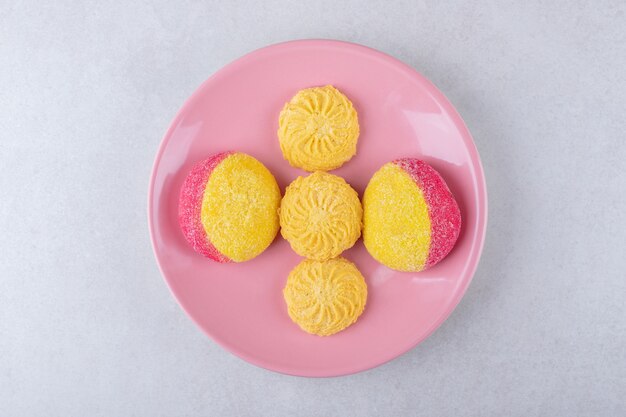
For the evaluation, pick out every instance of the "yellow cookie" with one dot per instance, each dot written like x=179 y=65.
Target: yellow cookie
x=411 y=219
x=318 y=129
x=320 y=216
x=228 y=207
x=325 y=297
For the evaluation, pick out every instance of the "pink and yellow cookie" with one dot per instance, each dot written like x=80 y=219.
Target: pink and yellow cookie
x=411 y=220
x=228 y=207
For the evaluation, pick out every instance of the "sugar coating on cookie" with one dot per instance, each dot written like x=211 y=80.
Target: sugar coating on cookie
x=320 y=216
x=325 y=297
x=411 y=220
x=228 y=207
x=318 y=129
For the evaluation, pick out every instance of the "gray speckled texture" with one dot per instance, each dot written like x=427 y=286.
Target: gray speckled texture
x=87 y=325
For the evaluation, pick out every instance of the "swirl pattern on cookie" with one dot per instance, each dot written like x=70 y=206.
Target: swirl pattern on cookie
x=318 y=129
x=320 y=216
x=325 y=297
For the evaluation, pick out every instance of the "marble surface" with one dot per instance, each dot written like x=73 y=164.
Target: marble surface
x=87 y=325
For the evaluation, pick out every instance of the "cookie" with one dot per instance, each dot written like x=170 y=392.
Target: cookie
x=320 y=216
x=228 y=207
x=325 y=297
x=411 y=220
x=318 y=129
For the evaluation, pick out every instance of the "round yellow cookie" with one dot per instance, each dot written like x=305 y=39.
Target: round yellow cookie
x=320 y=216
x=325 y=297
x=318 y=129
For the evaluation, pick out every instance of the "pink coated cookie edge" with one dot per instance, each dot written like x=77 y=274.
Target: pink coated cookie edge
x=190 y=207
x=443 y=210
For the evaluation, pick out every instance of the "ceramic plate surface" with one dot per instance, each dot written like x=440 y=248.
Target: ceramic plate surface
x=401 y=114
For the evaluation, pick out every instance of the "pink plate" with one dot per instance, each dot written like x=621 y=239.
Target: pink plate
x=401 y=114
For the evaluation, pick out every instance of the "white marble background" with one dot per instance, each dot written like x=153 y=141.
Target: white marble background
x=87 y=325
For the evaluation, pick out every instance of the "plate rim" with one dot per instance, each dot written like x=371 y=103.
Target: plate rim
x=481 y=193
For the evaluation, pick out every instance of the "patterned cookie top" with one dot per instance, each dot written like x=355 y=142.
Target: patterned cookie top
x=318 y=129
x=320 y=216
x=325 y=297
